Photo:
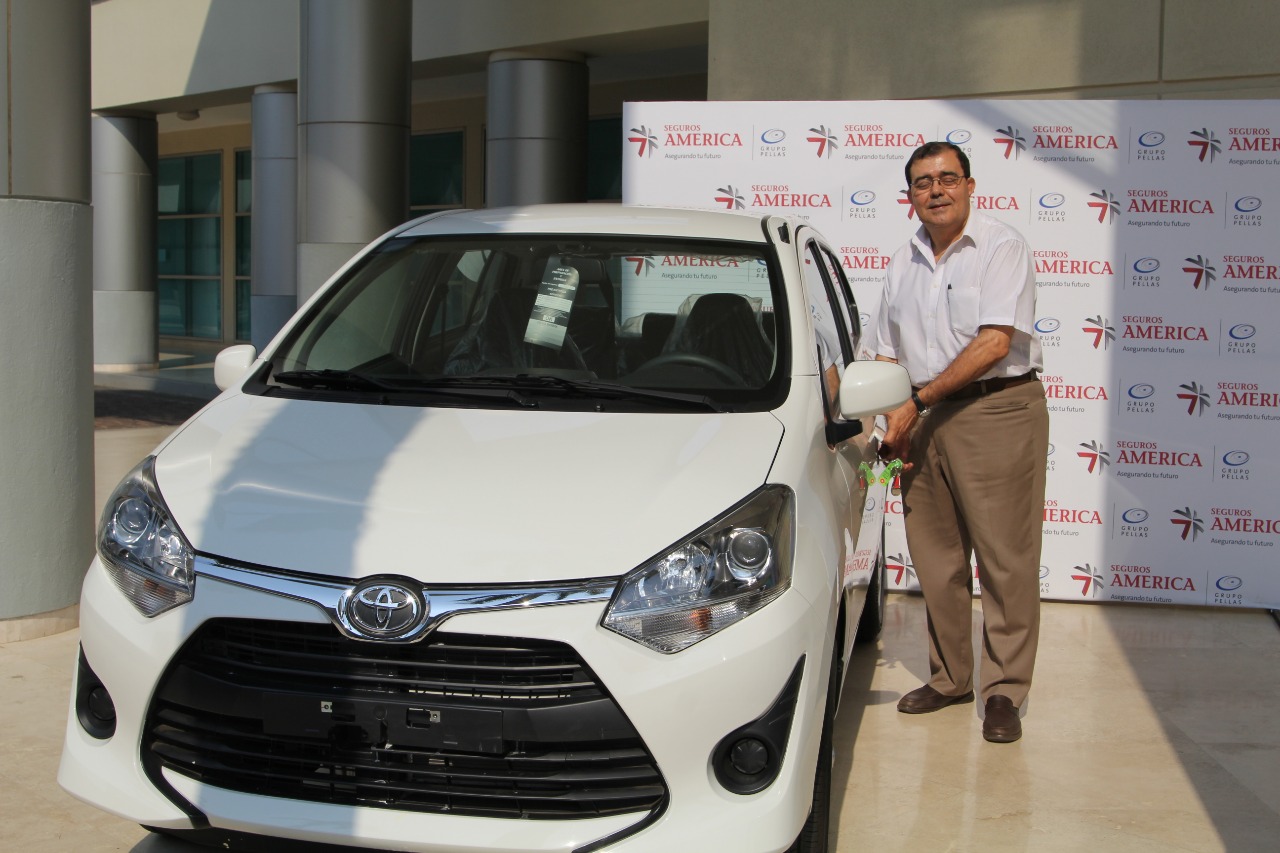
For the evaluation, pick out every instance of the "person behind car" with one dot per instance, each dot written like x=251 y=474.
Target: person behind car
x=958 y=313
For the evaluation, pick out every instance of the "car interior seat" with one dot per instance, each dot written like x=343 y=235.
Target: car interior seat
x=724 y=327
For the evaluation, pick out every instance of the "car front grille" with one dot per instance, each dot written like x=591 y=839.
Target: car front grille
x=459 y=724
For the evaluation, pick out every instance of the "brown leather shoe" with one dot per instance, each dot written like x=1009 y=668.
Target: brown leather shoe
x=922 y=700
x=1001 y=724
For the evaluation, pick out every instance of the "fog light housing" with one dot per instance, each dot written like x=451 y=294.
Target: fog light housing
x=749 y=758
x=95 y=709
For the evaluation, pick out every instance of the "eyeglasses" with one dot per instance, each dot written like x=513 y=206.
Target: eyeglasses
x=948 y=180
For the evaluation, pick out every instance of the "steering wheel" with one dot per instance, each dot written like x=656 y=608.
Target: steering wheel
x=579 y=361
x=692 y=359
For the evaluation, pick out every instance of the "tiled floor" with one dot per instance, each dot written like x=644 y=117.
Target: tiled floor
x=1148 y=729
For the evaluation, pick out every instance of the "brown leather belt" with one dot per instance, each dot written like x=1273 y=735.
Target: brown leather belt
x=989 y=386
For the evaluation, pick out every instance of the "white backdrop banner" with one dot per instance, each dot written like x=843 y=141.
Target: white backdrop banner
x=1154 y=229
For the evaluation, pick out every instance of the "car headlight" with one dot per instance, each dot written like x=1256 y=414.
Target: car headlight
x=141 y=546
x=720 y=575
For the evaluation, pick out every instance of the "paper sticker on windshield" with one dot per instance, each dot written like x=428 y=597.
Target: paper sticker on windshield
x=550 y=318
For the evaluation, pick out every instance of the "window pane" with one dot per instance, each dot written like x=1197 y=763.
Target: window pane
x=844 y=299
x=189 y=246
x=243 y=244
x=189 y=184
x=435 y=170
x=694 y=314
x=244 y=182
x=205 y=184
x=371 y=314
x=206 y=309
x=172 y=299
x=604 y=159
x=243 y=298
x=825 y=325
x=190 y=307
x=171 y=241
x=170 y=177
x=204 y=246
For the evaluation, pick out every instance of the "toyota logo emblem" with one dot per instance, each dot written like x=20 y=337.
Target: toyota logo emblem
x=383 y=610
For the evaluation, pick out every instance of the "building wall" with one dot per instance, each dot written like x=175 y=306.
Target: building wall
x=841 y=50
x=162 y=56
x=158 y=52
x=202 y=53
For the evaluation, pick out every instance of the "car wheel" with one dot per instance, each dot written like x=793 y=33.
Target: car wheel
x=872 y=619
x=813 y=836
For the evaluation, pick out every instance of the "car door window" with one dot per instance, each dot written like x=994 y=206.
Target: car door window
x=843 y=299
x=830 y=321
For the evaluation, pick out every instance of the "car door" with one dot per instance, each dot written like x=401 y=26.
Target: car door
x=835 y=317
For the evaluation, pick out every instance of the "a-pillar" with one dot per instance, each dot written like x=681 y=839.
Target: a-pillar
x=536 y=147
x=274 y=237
x=46 y=324
x=353 y=130
x=124 y=242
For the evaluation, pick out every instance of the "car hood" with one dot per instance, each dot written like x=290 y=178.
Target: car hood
x=449 y=495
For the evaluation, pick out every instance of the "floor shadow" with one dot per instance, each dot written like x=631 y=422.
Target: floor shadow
x=115 y=408
x=855 y=698
x=1220 y=723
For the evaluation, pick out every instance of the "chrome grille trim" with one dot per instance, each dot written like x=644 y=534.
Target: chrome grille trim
x=445 y=600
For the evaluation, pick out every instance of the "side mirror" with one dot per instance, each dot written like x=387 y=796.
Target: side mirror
x=230 y=365
x=870 y=388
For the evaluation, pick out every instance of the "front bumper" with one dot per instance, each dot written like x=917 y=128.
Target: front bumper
x=680 y=705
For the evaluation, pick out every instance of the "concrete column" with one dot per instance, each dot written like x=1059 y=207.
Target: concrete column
x=125 y=333
x=353 y=130
x=536 y=148
x=274 y=224
x=46 y=325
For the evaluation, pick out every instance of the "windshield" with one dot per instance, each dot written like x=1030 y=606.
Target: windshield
x=569 y=321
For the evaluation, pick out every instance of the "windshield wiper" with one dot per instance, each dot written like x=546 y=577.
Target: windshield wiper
x=490 y=387
x=347 y=380
x=334 y=380
x=592 y=389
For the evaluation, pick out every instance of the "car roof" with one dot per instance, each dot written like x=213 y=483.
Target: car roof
x=593 y=219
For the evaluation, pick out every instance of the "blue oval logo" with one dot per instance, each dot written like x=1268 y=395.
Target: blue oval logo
x=1248 y=204
x=1052 y=200
x=869 y=505
x=1242 y=332
x=1136 y=515
x=1141 y=391
x=959 y=137
x=864 y=319
x=1235 y=458
x=1051 y=449
x=1048 y=325
x=1151 y=139
x=1044 y=572
x=1228 y=583
x=1146 y=265
x=773 y=136
x=862 y=197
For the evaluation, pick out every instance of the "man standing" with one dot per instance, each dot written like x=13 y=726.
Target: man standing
x=958 y=313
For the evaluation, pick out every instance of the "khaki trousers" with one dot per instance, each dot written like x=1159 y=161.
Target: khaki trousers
x=977 y=486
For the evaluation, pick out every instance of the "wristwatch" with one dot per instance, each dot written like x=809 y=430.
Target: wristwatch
x=921 y=408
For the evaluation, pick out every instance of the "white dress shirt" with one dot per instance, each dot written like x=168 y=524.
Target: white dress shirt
x=931 y=310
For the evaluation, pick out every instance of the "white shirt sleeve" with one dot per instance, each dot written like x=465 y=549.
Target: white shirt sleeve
x=1008 y=287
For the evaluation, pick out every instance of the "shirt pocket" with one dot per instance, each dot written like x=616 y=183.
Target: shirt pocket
x=962 y=308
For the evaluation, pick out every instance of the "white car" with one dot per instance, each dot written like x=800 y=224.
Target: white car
x=536 y=529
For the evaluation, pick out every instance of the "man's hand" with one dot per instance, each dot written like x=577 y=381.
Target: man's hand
x=991 y=344
x=897 y=435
